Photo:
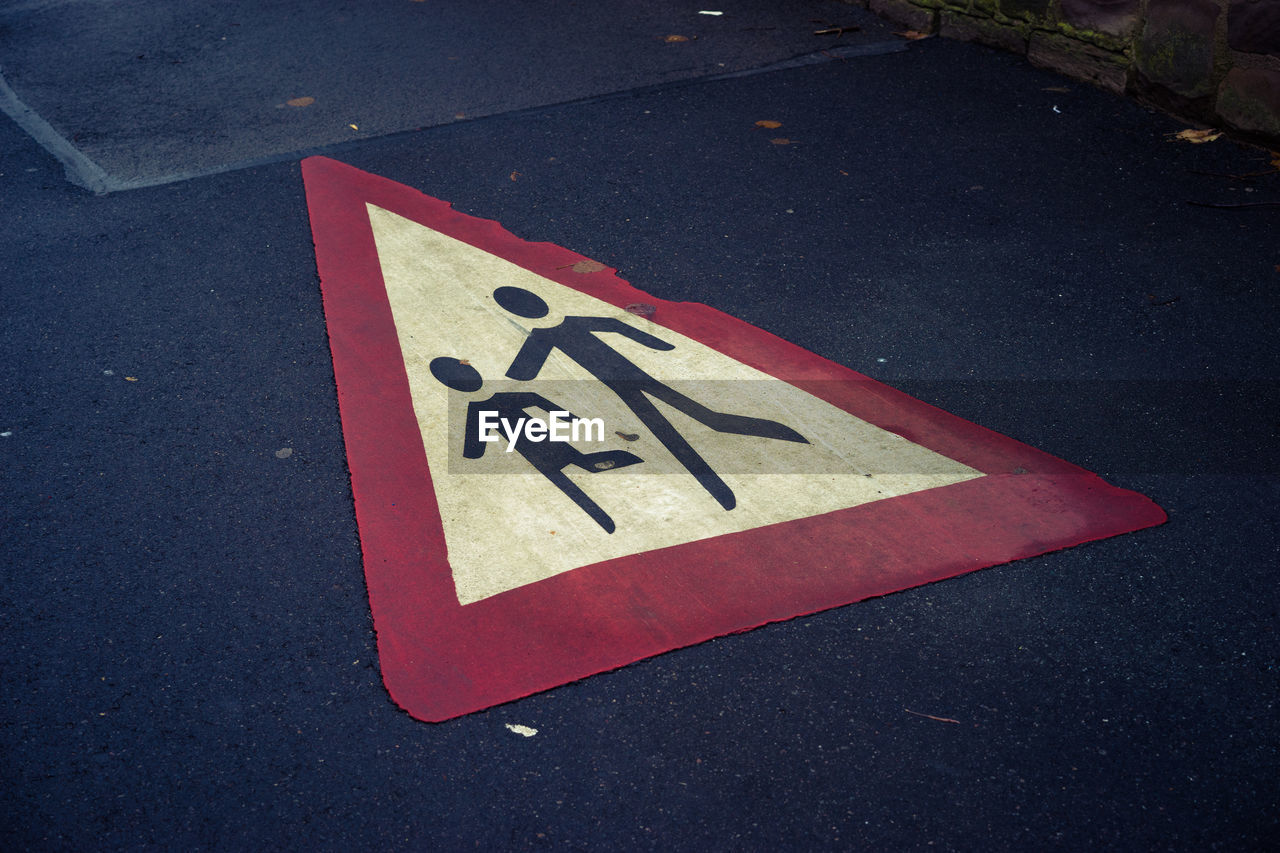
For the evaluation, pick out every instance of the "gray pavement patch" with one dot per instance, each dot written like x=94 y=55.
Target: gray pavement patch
x=150 y=93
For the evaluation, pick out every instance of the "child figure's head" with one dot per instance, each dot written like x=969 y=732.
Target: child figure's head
x=456 y=374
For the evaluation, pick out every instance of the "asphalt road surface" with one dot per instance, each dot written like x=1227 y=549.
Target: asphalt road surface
x=188 y=656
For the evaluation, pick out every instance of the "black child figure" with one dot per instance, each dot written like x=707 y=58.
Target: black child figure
x=550 y=458
x=579 y=339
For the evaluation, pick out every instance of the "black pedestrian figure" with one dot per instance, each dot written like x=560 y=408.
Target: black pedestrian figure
x=550 y=458
x=577 y=337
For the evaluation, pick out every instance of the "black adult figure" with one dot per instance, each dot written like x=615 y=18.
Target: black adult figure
x=577 y=338
x=550 y=458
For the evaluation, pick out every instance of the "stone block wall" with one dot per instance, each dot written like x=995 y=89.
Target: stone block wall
x=1210 y=61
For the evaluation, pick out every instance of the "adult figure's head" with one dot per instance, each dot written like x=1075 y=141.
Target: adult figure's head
x=521 y=302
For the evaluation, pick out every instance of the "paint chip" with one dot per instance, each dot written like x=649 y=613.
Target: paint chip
x=522 y=730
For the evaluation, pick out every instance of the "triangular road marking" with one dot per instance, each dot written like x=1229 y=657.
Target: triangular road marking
x=506 y=526
x=733 y=480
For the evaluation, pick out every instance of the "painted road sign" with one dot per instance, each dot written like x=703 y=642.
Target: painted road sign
x=556 y=474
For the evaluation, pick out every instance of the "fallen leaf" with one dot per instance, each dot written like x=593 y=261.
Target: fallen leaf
x=769 y=123
x=782 y=140
x=629 y=436
x=587 y=266
x=353 y=127
x=913 y=35
x=131 y=379
x=305 y=101
x=515 y=175
x=673 y=39
x=1061 y=89
x=642 y=309
x=1197 y=137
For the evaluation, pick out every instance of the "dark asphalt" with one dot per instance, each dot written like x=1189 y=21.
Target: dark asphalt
x=188 y=656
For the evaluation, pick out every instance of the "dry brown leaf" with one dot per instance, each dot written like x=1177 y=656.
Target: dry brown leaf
x=769 y=123
x=587 y=266
x=782 y=140
x=305 y=101
x=1197 y=137
x=913 y=35
x=515 y=175
x=671 y=39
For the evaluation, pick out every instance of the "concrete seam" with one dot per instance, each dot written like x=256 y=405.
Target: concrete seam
x=84 y=172
x=80 y=170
